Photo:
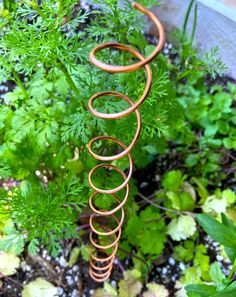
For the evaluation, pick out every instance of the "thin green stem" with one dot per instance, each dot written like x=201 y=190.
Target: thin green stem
x=19 y=83
x=187 y=16
x=164 y=208
x=229 y=278
x=194 y=23
x=157 y=205
x=71 y=83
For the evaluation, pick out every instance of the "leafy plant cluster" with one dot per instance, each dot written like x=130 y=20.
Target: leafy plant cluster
x=44 y=120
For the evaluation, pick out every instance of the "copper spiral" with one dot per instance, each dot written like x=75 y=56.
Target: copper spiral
x=105 y=239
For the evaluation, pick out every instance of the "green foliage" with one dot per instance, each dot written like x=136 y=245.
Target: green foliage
x=141 y=230
x=44 y=120
x=49 y=214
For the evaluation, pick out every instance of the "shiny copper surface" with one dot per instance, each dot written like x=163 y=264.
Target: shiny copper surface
x=104 y=239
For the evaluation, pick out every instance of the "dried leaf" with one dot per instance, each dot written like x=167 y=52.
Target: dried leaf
x=8 y=264
x=130 y=286
x=214 y=205
x=40 y=288
x=182 y=227
x=156 y=290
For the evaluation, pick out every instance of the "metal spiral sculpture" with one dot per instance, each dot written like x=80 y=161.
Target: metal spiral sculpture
x=103 y=238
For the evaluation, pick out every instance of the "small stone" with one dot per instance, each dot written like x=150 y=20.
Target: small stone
x=182 y=266
x=219 y=258
x=91 y=292
x=75 y=268
x=62 y=262
x=74 y=293
x=70 y=280
x=164 y=270
x=172 y=261
x=60 y=291
x=143 y=185
x=48 y=258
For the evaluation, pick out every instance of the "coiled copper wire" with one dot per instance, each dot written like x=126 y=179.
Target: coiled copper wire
x=105 y=239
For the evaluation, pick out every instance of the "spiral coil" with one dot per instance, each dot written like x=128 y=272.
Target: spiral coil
x=103 y=254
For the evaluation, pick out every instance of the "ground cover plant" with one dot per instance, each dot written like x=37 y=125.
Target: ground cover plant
x=186 y=148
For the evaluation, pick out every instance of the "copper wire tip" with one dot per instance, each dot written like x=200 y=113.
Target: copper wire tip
x=104 y=236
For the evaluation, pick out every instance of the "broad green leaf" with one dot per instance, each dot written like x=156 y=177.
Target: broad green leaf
x=230 y=291
x=200 y=290
x=74 y=255
x=229 y=143
x=218 y=232
x=175 y=199
x=231 y=252
x=186 y=201
x=216 y=274
x=192 y=160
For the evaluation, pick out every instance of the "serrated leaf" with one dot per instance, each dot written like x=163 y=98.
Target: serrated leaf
x=173 y=180
x=131 y=285
x=156 y=290
x=181 y=228
x=229 y=195
x=214 y=205
x=33 y=247
x=8 y=263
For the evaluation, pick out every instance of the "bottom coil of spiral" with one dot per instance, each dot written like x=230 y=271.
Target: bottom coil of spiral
x=101 y=266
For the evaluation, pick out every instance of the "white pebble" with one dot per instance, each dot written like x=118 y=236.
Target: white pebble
x=74 y=293
x=91 y=292
x=62 y=261
x=182 y=266
x=60 y=291
x=172 y=261
x=75 y=268
x=219 y=258
x=70 y=280
x=143 y=185
x=164 y=270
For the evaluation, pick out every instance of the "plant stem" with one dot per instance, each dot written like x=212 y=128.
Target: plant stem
x=232 y=272
x=194 y=23
x=156 y=205
x=19 y=83
x=134 y=256
x=187 y=16
x=70 y=81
